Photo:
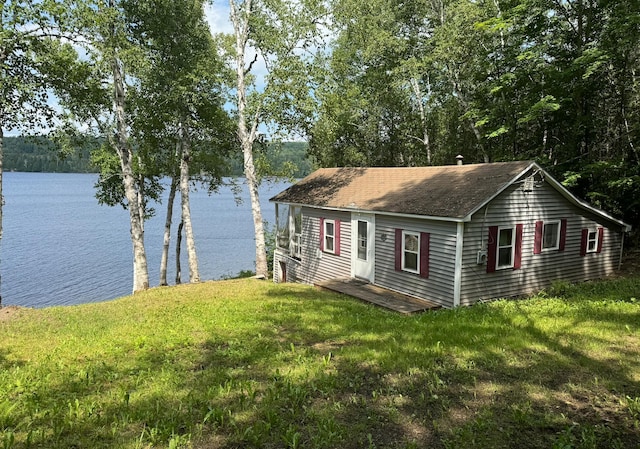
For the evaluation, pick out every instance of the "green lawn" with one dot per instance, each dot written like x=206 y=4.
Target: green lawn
x=246 y=363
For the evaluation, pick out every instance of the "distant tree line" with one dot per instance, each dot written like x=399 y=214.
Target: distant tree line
x=40 y=154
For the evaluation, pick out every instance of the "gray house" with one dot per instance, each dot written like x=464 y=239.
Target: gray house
x=453 y=235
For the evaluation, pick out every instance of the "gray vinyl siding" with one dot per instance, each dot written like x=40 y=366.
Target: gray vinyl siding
x=315 y=266
x=538 y=271
x=293 y=267
x=442 y=249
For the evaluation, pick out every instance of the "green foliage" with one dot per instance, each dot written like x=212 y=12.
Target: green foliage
x=415 y=83
x=247 y=363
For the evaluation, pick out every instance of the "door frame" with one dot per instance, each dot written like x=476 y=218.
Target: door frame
x=357 y=264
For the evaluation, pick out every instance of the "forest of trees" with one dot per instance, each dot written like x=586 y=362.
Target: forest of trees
x=39 y=154
x=143 y=90
x=558 y=82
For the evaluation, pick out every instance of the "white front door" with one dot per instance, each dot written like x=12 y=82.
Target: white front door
x=362 y=245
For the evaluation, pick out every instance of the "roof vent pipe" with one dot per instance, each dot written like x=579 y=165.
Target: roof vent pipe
x=459 y=158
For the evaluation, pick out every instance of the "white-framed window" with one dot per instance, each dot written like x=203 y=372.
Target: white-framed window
x=505 y=249
x=289 y=229
x=283 y=226
x=411 y=251
x=295 y=224
x=329 y=238
x=592 y=241
x=551 y=235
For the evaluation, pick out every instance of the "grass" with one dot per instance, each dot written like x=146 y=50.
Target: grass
x=246 y=363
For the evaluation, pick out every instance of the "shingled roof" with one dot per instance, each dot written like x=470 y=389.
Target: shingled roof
x=452 y=191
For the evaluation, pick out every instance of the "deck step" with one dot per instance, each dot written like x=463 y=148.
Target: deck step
x=377 y=295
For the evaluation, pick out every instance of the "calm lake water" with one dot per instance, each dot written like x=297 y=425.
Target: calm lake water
x=60 y=247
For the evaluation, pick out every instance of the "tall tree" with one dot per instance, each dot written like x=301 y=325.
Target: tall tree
x=106 y=39
x=278 y=33
x=179 y=121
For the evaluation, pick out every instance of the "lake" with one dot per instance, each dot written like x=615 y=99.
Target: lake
x=60 y=247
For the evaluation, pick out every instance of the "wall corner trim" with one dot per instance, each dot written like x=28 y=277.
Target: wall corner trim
x=457 y=278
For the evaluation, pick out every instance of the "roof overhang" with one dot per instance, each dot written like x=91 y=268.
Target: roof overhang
x=377 y=212
x=533 y=166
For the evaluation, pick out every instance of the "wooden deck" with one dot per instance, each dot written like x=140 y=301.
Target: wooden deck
x=377 y=295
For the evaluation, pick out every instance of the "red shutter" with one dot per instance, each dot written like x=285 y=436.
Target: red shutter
x=563 y=234
x=322 y=234
x=492 y=248
x=398 y=249
x=600 y=238
x=336 y=240
x=583 y=242
x=537 y=241
x=517 y=257
x=424 y=254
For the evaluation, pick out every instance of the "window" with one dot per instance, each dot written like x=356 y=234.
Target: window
x=289 y=229
x=363 y=235
x=330 y=236
x=282 y=226
x=296 y=238
x=412 y=252
x=506 y=248
x=591 y=241
x=550 y=235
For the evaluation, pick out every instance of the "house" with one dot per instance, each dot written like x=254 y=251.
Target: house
x=454 y=235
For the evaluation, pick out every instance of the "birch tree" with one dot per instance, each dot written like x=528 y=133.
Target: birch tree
x=179 y=121
x=278 y=35
x=101 y=106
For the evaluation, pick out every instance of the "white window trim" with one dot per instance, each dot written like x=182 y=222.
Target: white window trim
x=279 y=236
x=595 y=240
x=326 y=235
x=404 y=267
x=295 y=242
x=552 y=248
x=513 y=248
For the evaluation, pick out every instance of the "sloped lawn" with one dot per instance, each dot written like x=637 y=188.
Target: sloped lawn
x=246 y=363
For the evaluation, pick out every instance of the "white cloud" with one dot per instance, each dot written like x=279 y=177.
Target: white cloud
x=217 y=14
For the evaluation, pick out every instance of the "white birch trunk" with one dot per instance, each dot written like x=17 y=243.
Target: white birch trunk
x=423 y=118
x=164 y=260
x=194 y=273
x=247 y=135
x=140 y=271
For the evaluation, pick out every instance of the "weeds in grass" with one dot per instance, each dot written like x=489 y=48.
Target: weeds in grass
x=253 y=364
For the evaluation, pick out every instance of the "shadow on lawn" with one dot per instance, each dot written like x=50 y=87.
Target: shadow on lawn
x=349 y=375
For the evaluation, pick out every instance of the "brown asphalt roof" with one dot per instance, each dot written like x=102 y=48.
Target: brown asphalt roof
x=452 y=191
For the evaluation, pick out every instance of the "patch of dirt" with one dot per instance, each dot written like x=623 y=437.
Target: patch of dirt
x=8 y=312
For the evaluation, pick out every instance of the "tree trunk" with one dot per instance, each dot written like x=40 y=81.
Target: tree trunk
x=178 y=247
x=423 y=117
x=140 y=271
x=194 y=273
x=167 y=231
x=247 y=136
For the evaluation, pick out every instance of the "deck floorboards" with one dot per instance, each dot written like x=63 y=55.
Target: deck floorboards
x=377 y=295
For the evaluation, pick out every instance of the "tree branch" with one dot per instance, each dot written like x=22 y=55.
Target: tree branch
x=248 y=69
